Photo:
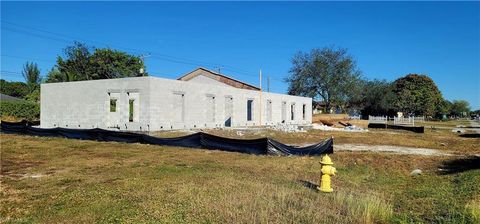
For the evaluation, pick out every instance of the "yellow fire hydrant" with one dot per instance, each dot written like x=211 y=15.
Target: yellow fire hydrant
x=327 y=171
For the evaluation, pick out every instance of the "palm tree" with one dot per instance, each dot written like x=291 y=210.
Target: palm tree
x=31 y=73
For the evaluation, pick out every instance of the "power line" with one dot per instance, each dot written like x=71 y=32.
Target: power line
x=154 y=55
x=26 y=58
x=106 y=44
x=34 y=34
x=6 y=71
x=157 y=57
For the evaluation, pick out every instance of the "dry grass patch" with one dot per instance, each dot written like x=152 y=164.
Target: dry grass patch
x=88 y=181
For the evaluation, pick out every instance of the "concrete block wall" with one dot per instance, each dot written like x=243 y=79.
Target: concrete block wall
x=86 y=104
x=158 y=105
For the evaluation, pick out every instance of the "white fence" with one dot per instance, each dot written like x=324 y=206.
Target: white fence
x=419 y=119
x=377 y=120
x=396 y=120
x=407 y=120
x=404 y=121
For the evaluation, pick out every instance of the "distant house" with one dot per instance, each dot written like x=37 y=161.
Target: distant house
x=4 y=97
x=198 y=99
x=202 y=75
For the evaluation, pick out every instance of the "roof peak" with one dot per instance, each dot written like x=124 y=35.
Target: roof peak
x=218 y=77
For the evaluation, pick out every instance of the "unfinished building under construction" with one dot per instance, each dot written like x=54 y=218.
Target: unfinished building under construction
x=199 y=99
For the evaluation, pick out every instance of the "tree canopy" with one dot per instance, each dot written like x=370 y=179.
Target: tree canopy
x=31 y=73
x=417 y=95
x=328 y=74
x=378 y=98
x=79 y=63
x=460 y=108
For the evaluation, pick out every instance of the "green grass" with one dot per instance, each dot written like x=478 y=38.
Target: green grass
x=59 y=180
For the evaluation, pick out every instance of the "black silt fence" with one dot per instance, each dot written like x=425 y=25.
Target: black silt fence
x=261 y=146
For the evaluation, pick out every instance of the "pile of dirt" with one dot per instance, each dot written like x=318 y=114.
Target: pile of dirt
x=336 y=120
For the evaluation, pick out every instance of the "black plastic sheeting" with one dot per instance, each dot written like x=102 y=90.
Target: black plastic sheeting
x=261 y=146
x=416 y=129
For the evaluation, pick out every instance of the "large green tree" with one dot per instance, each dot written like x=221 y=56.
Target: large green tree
x=328 y=74
x=79 y=63
x=378 y=98
x=417 y=95
x=460 y=108
x=108 y=63
x=444 y=108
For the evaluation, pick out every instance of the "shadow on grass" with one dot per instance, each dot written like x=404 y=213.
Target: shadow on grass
x=472 y=135
x=459 y=165
x=308 y=184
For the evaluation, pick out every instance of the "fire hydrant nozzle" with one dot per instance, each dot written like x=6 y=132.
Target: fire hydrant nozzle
x=327 y=171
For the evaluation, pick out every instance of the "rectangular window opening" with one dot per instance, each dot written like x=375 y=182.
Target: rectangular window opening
x=113 y=105
x=269 y=110
x=249 y=110
x=292 y=110
x=130 y=110
x=304 y=111
x=228 y=111
x=179 y=107
x=211 y=109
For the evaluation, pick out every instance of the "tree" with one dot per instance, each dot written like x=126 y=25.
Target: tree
x=329 y=74
x=76 y=65
x=378 y=98
x=460 y=108
x=417 y=95
x=444 y=108
x=80 y=64
x=31 y=73
x=108 y=63
x=54 y=75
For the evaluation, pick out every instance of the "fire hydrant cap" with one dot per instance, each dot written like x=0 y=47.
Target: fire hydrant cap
x=326 y=160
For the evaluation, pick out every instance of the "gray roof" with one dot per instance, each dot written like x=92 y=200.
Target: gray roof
x=8 y=98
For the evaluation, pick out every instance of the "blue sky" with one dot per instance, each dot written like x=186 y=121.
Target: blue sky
x=388 y=39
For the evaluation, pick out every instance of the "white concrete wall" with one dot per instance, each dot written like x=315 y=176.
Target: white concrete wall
x=87 y=103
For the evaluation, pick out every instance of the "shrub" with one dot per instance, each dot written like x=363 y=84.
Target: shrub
x=20 y=109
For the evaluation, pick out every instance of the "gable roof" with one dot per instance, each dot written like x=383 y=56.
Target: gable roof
x=218 y=77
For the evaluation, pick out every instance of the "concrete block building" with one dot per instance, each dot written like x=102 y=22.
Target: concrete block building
x=199 y=99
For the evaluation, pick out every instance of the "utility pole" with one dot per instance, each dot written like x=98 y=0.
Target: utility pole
x=268 y=83
x=142 y=59
x=260 y=97
x=219 y=69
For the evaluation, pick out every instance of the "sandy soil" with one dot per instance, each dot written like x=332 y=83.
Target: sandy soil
x=390 y=149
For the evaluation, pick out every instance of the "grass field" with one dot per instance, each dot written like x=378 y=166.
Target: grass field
x=60 y=180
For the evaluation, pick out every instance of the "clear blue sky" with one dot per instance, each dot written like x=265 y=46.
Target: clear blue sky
x=388 y=40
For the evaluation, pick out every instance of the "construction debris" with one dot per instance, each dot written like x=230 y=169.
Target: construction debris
x=328 y=123
x=287 y=128
x=239 y=133
x=351 y=128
